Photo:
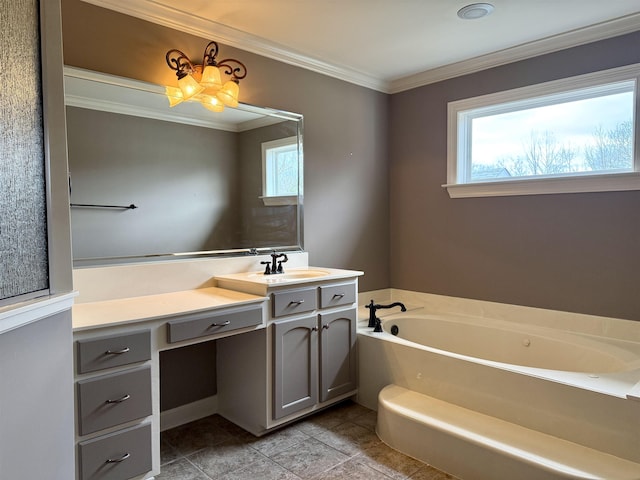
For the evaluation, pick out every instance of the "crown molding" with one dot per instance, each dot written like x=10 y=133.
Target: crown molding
x=574 y=38
x=154 y=12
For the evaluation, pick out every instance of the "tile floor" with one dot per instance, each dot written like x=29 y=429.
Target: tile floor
x=339 y=443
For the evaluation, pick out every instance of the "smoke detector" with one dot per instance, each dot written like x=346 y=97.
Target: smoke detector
x=475 y=11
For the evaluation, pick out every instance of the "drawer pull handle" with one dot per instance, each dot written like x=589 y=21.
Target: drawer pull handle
x=339 y=295
x=120 y=400
x=117 y=352
x=118 y=460
x=326 y=326
x=296 y=302
x=223 y=324
x=314 y=329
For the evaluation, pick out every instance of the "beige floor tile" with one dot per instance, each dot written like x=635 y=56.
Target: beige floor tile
x=264 y=469
x=349 y=438
x=278 y=441
x=197 y=435
x=180 y=470
x=224 y=458
x=389 y=461
x=429 y=473
x=351 y=470
x=309 y=458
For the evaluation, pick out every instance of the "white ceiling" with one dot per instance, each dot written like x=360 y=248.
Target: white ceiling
x=391 y=45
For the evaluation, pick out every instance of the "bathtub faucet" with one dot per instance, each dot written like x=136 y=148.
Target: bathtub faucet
x=374 y=321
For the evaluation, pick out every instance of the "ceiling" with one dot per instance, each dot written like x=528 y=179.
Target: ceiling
x=391 y=45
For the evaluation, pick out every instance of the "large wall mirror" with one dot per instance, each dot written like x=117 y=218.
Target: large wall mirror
x=149 y=182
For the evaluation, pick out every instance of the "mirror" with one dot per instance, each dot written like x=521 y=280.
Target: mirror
x=149 y=182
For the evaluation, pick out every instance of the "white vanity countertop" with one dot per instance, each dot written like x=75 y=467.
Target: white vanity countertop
x=149 y=307
x=292 y=276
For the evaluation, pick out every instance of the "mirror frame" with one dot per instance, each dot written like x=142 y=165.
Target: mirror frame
x=207 y=119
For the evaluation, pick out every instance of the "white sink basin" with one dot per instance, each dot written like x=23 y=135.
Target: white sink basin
x=290 y=275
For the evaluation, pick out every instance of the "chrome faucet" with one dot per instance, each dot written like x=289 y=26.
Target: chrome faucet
x=374 y=321
x=275 y=266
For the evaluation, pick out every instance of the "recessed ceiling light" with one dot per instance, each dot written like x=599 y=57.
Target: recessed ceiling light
x=475 y=11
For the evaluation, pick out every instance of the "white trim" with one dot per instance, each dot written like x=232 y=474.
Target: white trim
x=188 y=413
x=16 y=316
x=587 y=183
x=279 y=200
x=458 y=140
x=152 y=11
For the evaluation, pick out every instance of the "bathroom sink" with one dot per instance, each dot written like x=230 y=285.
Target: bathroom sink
x=290 y=275
x=257 y=283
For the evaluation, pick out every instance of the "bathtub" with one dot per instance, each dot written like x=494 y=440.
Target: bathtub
x=495 y=399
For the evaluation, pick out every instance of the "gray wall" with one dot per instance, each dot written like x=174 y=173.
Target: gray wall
x=345 y=129
x=572 y=252
x=36 y=399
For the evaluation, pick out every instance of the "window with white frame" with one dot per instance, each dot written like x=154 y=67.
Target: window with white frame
x=280 y=171
x=572 y=135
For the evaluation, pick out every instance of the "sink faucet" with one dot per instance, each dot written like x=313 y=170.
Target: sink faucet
x=374 y=321
x=275 y=265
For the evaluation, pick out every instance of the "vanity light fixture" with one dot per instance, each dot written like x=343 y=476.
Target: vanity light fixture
x=475 y=11
x=203 y=83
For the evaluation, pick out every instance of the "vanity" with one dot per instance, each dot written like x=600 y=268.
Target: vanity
x=285 y=348
x=169 y=239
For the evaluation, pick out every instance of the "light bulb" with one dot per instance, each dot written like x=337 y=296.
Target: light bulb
x=212 y=103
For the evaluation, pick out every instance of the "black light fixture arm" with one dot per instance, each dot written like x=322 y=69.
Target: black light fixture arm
x=179 y=62
x=210 y=54
x=234 y=68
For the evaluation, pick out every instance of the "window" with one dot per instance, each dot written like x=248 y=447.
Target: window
x=280 y=171
x=571 y=135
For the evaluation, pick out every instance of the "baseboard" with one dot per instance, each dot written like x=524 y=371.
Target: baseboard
x=188 y=413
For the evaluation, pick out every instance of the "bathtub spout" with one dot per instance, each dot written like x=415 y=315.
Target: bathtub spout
x=374 y=321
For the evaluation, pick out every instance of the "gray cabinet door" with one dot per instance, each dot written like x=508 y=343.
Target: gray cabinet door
x=337 y=353
x=295 y=381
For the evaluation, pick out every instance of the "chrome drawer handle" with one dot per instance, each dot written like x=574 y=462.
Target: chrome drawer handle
x=120 y=400
x=118 y=460
x=326 y=327
x=224 y=324
x=339 y=295
x=296 y=302
x=117 y=352
x=314 y=329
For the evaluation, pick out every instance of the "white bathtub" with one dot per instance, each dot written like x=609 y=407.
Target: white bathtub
x=492 y=399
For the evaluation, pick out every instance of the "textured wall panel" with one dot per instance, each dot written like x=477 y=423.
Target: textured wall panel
x=23 y=235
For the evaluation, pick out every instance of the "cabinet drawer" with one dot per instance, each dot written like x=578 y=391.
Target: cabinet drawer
x=294 y=301
x=334 y=295
x=113 y=399
x=117 y=456
x=212 y=324
x=113 y=351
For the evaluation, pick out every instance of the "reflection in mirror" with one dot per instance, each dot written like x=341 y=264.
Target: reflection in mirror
x=202 y=183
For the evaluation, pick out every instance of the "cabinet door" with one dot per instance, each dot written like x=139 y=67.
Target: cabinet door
x=337 y=353
x=295 y=379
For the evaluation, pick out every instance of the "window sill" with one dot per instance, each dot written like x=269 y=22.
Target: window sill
x=545 y=186
x=279 y=201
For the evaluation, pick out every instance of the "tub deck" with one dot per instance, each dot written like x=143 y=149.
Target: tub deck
x=441 y=433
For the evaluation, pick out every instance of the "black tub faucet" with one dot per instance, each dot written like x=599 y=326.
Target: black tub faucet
x=374 y=321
